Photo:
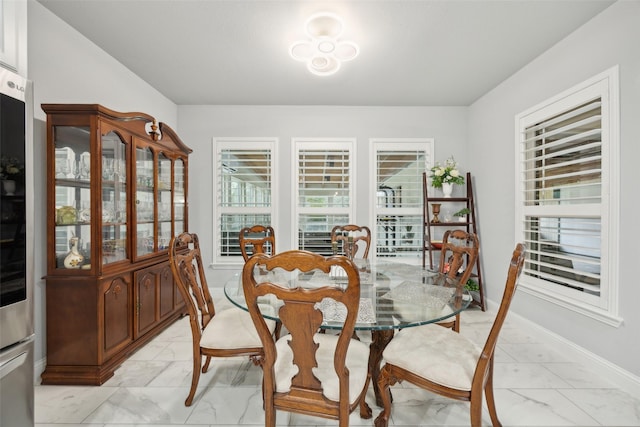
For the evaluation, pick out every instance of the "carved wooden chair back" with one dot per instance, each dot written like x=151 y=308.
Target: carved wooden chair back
x=457 y=258
x=308 y=372
x=422 y=356
x=186 y=265
x=353 y=239
x=262 y=239
x=214 y=334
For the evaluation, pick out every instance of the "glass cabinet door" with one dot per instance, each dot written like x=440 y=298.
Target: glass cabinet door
x=164 y=202
x=114 y=199
x=179 y=204
x=72 y=170
x=145 y=202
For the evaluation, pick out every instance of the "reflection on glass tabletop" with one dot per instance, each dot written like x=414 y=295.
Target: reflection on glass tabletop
x=392 y=295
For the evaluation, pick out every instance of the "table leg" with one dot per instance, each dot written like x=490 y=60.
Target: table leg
x=379 y=340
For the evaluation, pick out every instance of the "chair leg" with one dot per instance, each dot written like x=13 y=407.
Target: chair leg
x=195 y=377
x=365 y=410
x=456 y=323
x=269 y=414
x=205 y=368
x=385 y=380
x=491 y=403
x=476 y=409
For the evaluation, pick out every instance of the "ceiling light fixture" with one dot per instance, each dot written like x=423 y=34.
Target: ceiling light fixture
x=324 y=53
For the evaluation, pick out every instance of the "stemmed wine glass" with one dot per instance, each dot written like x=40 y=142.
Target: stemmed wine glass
x=85 y=166
x=63 y=168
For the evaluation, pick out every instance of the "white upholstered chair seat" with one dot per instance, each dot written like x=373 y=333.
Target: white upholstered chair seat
x=231 y=329
x=356 y=362
x=436 y=354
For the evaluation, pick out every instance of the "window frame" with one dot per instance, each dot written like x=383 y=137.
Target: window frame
x=397 y=144
x=604 y=307
x=249 y=144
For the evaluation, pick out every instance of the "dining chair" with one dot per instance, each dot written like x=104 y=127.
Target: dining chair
x=262 y=239
x=306 y=372
x=447 y=363
x=225 y=333
x=457 y=258
x=353 y=239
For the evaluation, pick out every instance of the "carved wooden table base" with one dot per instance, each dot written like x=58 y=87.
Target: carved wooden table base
x=379 y=341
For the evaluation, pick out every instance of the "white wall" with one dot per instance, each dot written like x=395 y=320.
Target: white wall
x=199 y=124
x=67 y=68
x=613 y=37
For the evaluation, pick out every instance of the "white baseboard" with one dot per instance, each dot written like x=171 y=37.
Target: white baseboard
x=38 y=369
x=625 y=380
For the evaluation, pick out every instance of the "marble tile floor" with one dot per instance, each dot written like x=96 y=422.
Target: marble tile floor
x=534 y=386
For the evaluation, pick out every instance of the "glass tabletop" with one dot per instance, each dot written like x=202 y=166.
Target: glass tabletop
x=392 y=295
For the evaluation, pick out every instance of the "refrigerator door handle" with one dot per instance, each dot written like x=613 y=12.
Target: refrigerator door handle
x=11 y=365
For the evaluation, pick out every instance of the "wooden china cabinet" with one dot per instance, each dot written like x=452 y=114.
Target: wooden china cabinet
x=116 y=194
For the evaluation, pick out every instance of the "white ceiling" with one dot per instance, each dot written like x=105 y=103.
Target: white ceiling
x=412 y=52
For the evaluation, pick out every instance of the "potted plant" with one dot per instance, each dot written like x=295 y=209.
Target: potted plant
x=462 y=213
x=444 y=176
x=472 y=286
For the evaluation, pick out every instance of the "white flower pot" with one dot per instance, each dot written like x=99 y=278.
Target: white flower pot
x=447 y=189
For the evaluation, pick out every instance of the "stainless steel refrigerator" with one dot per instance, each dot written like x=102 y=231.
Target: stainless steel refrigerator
x=16 y=252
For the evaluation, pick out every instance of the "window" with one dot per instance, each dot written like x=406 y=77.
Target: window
x=567 y=198
x=244 y=180
x=399 y=165
x=324 y=190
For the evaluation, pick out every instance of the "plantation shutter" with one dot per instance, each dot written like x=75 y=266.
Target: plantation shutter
x=399 y=168
x=324 y=197
x=562 y=177
x=244 y=192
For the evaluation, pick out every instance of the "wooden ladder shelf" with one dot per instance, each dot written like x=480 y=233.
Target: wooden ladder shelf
x=430 y=247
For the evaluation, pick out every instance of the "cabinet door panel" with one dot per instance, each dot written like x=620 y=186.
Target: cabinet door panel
x=144 y=204
x=114 y=199
x=164 y=200
x=117 y=314
x=167 y=294
x=146 y=299
x=179 y=200
x=72 y=199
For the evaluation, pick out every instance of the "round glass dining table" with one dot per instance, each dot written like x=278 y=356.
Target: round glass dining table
x=393 y=296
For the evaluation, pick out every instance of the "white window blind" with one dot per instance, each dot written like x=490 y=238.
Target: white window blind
x=398 y=186
x=564 y=171
x=324 y=198
x=244 y=180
